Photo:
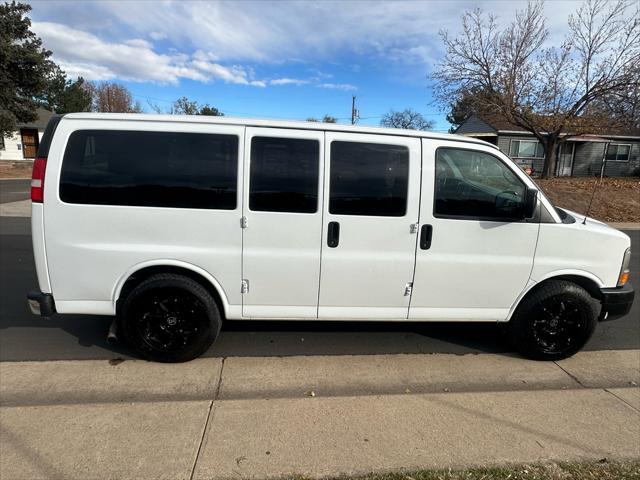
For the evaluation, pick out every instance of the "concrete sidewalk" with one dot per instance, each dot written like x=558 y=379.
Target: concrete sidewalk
x=314 y=416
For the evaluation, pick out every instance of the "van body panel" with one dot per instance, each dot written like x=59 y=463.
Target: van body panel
x=39 y=249
x=89 y=247
x=281 y=249
x=474 y=268
x=88 y=307
x=588 y=249
x=372 y=265
x=167 y=262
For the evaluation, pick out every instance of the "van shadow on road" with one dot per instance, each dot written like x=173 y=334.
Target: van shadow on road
x=64 y=337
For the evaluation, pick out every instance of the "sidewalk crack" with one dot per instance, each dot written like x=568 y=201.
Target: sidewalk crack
x=208 y=420
x=622 y=400
x=219 y=386
x=571 y=375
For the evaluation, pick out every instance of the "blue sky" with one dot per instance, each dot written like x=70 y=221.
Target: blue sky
x=290 y=60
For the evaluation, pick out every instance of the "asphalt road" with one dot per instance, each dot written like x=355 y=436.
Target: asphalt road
x=13 y=190
x=24 y=336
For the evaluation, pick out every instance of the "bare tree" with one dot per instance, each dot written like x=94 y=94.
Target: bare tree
x=408 y=119
x=553 y=92
x=112 y=97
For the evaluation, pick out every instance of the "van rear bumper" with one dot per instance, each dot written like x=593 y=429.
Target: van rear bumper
x=41 y=303
x=616 y=302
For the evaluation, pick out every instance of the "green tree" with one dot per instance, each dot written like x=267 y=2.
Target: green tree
x=459 y=110
x=24 y=67
x=184 y=106
x=211 y=111
x=63 y=95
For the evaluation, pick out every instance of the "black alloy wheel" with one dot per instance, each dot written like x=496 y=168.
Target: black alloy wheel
x=169 y=318
x=554 y=321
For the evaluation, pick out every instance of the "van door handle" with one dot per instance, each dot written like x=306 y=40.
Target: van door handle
x=333 y=234
x=425 y=237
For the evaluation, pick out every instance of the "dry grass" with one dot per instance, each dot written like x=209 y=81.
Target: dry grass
x=602 y=470
x=616 y=200
x=10 y=169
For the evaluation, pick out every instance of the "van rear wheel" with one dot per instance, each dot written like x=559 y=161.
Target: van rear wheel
x=169 y=318
x=554 y=322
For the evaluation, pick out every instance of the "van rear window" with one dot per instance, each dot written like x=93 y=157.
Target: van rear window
x=159 y=169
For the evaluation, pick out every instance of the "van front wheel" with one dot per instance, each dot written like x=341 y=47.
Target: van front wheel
x=554 y=321
x=169 y=318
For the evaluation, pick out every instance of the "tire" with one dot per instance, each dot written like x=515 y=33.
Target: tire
x=554 y=321
x=169 y=318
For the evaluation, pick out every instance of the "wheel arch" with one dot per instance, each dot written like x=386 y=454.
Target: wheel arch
x=586 y=280
x=142 y=271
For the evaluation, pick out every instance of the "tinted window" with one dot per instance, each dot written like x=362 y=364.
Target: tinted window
x=284 y=175
x=477 y=185
x=368 y=179
x=161 y=169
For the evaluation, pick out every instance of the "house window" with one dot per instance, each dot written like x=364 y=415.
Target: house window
x=618 y=152
x=1 y=142
x=526 y=149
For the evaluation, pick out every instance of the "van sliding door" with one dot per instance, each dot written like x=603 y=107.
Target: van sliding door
x=372 y=192
x=282 y=220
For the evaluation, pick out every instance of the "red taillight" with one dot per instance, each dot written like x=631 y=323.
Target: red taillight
x=37 y=180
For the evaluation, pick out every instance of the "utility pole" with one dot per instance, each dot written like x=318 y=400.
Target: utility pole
x=354 y=112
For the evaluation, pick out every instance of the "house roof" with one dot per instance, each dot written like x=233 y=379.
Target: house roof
x=500 y=125
x=43 y=117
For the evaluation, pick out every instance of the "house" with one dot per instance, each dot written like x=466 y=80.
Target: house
x=23 y=143
x=578 y=156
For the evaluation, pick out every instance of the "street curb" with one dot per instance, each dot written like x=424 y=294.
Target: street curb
x=21 y=208
x=249 y=378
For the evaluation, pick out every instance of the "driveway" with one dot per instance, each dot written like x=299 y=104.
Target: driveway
x=14 y=190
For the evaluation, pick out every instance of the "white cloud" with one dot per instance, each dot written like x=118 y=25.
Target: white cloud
x=133 y=59
x=283 y=31
x=288 y=81
x=399 y=33
x=338 y=86
x=157 y=35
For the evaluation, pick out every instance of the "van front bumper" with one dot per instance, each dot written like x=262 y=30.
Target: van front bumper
x=41 y=303
x=616 y=302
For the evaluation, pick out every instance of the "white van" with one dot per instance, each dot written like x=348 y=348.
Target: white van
x=176 y=223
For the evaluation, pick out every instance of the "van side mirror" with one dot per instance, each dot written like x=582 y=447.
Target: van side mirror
x=530 y=203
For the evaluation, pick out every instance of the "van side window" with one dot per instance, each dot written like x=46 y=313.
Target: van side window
x=368 y=179
x=476 y=185
x=284 y=175
x=154 y=169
